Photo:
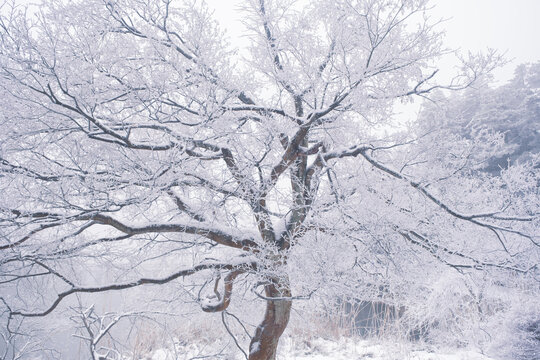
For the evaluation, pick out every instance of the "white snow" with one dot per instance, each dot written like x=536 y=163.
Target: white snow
x=355 y=349
x=324 y=349
x=255 y=347
x=160 y=354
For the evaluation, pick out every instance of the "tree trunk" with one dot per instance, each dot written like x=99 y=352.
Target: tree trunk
x=265 y=342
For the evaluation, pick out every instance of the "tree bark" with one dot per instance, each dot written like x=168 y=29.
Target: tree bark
x=264 y=344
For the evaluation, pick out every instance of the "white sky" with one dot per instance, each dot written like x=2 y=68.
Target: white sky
x=511 y=26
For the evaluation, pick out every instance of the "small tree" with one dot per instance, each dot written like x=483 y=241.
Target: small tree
x=131 y=132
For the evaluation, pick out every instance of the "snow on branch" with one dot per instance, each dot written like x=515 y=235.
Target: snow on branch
x=214 y=234
x=221 y=302
x=472 y=218
x=142 y=281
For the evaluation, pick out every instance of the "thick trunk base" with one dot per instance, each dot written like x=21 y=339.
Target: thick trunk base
x=265 y=342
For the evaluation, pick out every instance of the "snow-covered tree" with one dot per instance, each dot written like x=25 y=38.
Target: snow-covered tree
x=510 y=111
x=134 y=136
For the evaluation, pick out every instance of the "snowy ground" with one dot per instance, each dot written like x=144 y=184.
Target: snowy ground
x=321 y=349
x=350 y=349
